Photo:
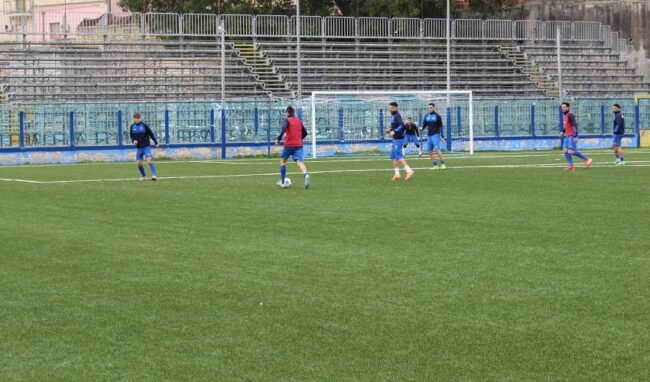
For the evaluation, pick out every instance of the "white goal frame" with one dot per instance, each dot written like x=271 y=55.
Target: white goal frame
x=468 y=93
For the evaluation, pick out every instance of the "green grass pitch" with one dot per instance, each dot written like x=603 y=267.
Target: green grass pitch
x=503 y=267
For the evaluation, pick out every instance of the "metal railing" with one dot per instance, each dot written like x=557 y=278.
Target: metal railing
x=68 y=25
x=172 y=24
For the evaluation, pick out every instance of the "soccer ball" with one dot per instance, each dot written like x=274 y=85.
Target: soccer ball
x=287 y=183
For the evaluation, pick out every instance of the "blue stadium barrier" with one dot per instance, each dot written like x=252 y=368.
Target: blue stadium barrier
x=92 y=127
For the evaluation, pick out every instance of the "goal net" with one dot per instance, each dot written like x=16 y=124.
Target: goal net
x=346 y=123
x=642 y=118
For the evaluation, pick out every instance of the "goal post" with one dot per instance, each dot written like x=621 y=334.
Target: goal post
x=358 y=118
x=642 y=118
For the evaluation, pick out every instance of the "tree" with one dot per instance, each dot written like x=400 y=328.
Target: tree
x=278 y=7
x=493 y=7
x=361 y=8
x=393 y=8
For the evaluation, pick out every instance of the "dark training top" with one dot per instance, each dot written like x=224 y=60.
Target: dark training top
x=619 y=124
x=433 y=122
x=397 y=126
x=141 y=132
x=411 y=129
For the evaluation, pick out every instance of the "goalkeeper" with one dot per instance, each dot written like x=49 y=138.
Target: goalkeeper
x=412 y=134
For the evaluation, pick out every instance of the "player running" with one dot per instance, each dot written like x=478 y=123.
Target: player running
x=433 y=123
x=293 y=145
x=412 y=134
x=569 y=134
x=140 y=135
x=617 y=134
x=396 y=131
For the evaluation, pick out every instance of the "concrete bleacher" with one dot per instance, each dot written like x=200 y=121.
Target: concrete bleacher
x=587 y=69
x=399 y=66
x=60 y=71
x=130 y=60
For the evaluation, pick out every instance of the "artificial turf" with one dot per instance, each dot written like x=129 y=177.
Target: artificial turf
x=503 y=267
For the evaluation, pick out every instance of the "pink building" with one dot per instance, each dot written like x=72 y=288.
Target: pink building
x=51 y=19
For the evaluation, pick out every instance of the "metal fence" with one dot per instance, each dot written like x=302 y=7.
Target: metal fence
x=70 y=126
x=44 y=26
x=69 y=24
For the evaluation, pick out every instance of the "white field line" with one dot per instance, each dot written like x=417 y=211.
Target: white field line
x=222 y=176
x=376 y=158
x=18 y=180
x=273 y=161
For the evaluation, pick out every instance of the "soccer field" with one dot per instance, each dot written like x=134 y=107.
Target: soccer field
x=503 y=267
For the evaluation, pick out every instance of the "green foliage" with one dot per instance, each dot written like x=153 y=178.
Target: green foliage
x=371 y=8
x=393 y=8
x=279 y=7
x=492 y=7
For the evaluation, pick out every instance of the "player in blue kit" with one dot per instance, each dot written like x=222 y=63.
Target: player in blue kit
x=140 y=136
x=617 y=134
x=293 y=145
x=569 y=135
x=396 y=132
x=412 y=134
x=432 y=122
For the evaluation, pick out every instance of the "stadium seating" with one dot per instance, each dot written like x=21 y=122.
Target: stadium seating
x=588 y=70
x=93 y=68
x=121 y=70
x=399 y=66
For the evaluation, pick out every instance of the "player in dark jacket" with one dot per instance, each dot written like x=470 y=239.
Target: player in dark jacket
x=617 y=134
x=396 y=132
x=412 y=134
x=141 y=136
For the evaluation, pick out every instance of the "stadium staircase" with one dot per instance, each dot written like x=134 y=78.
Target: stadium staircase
x=4 y=97
x=533 y=71
x=263 y=68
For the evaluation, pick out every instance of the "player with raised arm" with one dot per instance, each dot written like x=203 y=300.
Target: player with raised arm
x=432 y=122
x=293 y=145
x=140 y=137
x=569 y=135
x=396 y=131
x=412 y=134
x=617 y=134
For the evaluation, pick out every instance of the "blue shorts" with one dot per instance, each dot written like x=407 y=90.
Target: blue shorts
x=568 y=143
x=411 y=138
x=396 y=150
x=433 y=142
x=144 y=152
x=297 y=153
x=618 y=140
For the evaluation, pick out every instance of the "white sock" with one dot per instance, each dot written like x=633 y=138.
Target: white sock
x=407 y=168
x=396 y=171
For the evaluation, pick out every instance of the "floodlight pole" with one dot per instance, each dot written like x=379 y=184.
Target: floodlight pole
x=222 y=32
x=298 y=54
x=448 y=52
x=559 y=61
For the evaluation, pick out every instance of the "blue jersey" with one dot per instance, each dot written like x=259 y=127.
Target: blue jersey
x=141 y=132
x=619 y=124
x=397 y=126
x=433 y=123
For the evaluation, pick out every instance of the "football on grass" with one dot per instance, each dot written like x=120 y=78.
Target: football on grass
x=287 y=183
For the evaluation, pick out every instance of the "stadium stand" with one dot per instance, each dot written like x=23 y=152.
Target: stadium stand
x=150 y=57
x=400 y=66
x=74 y=70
